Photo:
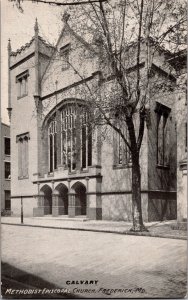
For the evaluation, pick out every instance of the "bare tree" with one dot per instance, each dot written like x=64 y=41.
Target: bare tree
x=52 y=2
x=122 y=35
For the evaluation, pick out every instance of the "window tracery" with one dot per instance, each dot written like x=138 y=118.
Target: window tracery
x=75 y=136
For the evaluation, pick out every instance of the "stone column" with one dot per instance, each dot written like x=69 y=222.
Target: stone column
x=71 y=212
x=94 y=209
x=182 y=192
x=57 y=205
x=87 y=196
x=72 y=204
x=39 y=211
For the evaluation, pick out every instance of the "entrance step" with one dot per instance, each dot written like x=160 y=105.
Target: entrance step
x=63 y=218
x=179 y=226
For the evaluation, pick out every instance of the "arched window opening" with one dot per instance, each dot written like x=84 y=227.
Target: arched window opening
x=76 y=137
x=52 y=135
x=70 y=140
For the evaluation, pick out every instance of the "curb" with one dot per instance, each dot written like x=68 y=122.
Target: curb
x=148 y=234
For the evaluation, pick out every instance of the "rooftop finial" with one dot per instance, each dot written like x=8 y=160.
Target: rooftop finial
x=65 y=17
x=36 y=26
x=9 y=45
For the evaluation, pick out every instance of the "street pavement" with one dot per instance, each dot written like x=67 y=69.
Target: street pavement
x=124 y=266
x=166 y=229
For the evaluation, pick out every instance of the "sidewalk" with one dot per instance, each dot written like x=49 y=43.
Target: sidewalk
x=156 y=229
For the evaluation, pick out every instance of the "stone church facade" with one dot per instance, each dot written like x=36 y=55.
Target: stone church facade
x=61 y=165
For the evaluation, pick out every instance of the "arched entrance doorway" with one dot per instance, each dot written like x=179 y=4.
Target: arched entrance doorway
x=62 y=199
x=46 y=193
x=80 y=198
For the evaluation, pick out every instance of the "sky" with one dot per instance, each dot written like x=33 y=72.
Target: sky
x=19 y=27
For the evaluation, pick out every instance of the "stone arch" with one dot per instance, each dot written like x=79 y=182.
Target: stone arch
x=46 y=194
x=80 y=198
x=59 y=106
x=61 y=193
x=67 y=136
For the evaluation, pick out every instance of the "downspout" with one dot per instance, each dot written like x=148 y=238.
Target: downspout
x=37 y=96
x=9 y=108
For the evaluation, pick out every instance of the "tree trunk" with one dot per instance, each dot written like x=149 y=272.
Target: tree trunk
x=136 y=196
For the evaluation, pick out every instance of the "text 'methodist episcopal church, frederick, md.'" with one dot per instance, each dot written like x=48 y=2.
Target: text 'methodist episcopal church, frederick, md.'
x=62 y=166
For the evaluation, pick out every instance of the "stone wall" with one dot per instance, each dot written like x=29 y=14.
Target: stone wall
x=181 y=113
x=5 y=183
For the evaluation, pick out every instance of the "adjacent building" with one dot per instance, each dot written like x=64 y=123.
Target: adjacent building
x=61 y=164
x=5 y=169
x=180 y=64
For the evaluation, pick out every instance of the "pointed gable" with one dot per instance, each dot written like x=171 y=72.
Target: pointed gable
x=81 y=62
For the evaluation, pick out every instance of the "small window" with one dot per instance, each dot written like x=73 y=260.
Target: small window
x=7 y=146
x=7 y=200
x=7 y=170
x=22 y=83
x=64 y=53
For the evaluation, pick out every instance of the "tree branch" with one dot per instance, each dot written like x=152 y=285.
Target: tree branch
x=138 y=53
x=141 y=129
x=60 y=3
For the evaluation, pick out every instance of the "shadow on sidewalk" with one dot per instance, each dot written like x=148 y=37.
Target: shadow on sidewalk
x=18 y=284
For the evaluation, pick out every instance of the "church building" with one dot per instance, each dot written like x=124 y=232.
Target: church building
x=64 y=166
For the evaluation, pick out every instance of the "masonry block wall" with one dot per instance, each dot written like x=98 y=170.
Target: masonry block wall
x=181 y=110
x=5 y=184
x=24 y=118
x=162 y=176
